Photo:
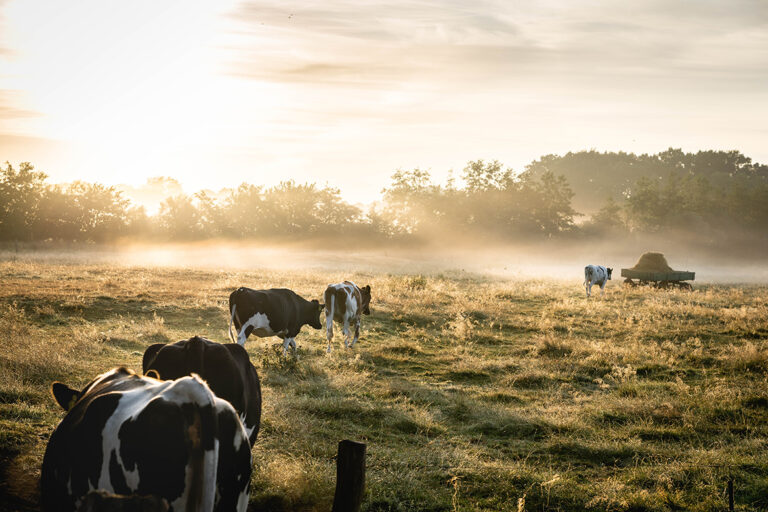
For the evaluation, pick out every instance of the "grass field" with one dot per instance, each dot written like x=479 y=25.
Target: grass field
x=471 y=393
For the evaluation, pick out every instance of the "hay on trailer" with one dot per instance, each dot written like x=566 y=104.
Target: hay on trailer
x=652 y=262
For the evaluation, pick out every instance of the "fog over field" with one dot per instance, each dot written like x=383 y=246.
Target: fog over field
x=556 y=260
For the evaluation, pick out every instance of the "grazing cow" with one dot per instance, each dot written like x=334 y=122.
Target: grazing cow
x=277 y=312
x=128 y=434
x=226 y=368
x=343 y=302
x=596 y=274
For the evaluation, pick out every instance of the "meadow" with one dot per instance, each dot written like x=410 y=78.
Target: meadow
x=471 y=392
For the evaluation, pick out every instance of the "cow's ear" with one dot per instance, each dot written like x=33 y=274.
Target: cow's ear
x=149 y=356
x=367 y=288
x=64 y=395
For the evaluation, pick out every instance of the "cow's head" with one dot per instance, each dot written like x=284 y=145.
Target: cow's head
x=314 y=315
x=365 y=294
x=609 y=272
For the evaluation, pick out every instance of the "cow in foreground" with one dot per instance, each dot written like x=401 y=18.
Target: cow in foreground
x=226 y=368
x=345 y=302
x=133 y=435
x=276 y=312
x=596 y=274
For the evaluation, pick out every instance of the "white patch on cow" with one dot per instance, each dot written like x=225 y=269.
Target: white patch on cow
x=248 y=429
x=131 y=477
x=261 y=328
x=242 y=500
x=131 y=404
x=237 y=441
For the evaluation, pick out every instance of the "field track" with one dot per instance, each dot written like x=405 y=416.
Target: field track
x=472 y=393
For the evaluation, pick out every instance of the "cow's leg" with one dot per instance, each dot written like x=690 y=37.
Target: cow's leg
x=602 y=289
x=346 y=331
x=286 y=344
x=357 y=331
x=589 y=288
x=329 y=329
x=293 y=344
x=329 y=311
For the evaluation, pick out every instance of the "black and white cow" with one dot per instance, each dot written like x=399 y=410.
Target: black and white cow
x=226 y=368
x=128 y=434
x=596 y=274
x=276 y=312
x=345 y=302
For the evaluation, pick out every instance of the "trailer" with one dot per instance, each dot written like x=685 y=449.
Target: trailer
x=661 y=280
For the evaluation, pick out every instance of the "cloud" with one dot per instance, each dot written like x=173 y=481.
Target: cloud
x=598 y=43
x=22 y=148
x=9 y=109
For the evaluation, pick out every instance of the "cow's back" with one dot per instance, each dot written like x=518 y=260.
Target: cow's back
x=142 y=436
x=225 y=367
x=275 y=303
x=335 y=298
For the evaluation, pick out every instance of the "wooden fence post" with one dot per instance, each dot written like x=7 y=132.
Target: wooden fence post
x=350 y=477
x=730 y=494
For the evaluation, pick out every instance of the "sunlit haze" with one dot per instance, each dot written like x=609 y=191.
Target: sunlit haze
x=344 y=93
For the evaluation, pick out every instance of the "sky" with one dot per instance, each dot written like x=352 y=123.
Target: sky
x=346 y=92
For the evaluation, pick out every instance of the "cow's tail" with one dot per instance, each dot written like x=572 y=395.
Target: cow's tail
x=196 y=500
x=587 y=275
x=231 y=319
x=200 y=431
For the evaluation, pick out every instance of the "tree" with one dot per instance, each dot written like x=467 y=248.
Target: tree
x=481 y=177
x=179 y=219
x=245 y=212
x=609 y=219
x=101 y=210
x=21 y=192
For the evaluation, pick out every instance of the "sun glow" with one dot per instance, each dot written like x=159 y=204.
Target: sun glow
x=218 y=93
x=132 y=85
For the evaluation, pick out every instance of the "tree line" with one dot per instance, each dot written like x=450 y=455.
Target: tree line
x=709 y=192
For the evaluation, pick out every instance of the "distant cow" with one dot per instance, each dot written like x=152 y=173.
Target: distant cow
x=596 y=274
x=134 y=435
x=277 y=312
x=226 y=368
x=344 y=302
